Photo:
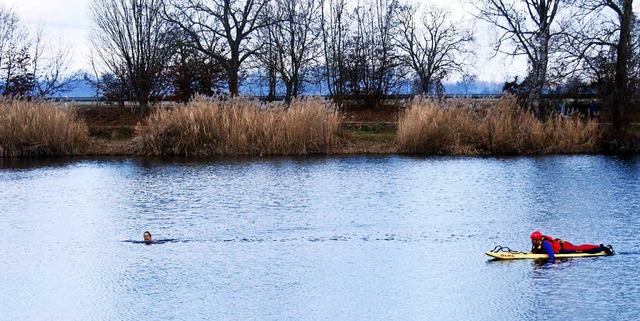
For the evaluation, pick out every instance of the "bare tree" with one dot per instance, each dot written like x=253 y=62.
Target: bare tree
x=294 y=36
x=133 y=42
x=434 y=47
x=94 y=79
x=335 y=26
x=221 y=29
x=467 y=82
x=528 y=26
x=624 y=13
x=372 y=63
x=267 y=57
x=14 y=55
x=50 y=67
x=619 y=96
x=634 y=61
x=31 y=66
x=191 y=72
x=598 y=44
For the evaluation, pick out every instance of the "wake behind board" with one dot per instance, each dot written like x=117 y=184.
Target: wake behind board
x=528 y=255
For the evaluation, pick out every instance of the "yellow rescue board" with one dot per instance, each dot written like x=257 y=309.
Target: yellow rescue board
x=528 y=255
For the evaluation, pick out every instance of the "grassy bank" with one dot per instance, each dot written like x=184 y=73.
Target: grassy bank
x=240 y=127
x=490 y=127
x=308 y=126
x=40 y=129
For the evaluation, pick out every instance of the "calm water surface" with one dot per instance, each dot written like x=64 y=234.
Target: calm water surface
x=316 y=238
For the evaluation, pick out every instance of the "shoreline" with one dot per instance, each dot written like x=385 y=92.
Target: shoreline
x=362 y=131
x=374 y=131
x=371 y=141
x=112 y=131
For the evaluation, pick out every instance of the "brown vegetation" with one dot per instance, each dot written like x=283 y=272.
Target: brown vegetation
x=40 y=129
x=240 y=127
x=308 y=126
x=499 y=127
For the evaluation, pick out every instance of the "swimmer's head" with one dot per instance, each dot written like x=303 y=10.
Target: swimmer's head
x=147 y=236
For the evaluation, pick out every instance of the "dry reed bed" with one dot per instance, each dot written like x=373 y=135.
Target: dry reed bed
x=499 y=127
x=240 y=127
x=40 y=129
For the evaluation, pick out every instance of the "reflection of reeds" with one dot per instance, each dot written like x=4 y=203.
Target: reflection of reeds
x=40 y=129
x=500 y=127
x=240 y=127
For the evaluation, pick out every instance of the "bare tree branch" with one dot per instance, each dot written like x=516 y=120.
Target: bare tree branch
x=221 y=29
x=133 y=41
x=434 y=48
x=532 y=35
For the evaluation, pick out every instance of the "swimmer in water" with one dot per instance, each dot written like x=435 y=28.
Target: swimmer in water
x=147 y=237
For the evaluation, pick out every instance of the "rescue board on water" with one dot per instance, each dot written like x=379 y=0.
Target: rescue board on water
x=534 y=256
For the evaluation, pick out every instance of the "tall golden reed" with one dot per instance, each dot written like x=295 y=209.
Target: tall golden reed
x=40 y=129
x=240 y=127
x=498 y=127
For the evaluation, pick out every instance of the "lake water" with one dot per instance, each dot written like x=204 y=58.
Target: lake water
x=316 y=238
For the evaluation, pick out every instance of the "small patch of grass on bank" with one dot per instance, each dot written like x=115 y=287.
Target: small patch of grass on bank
x=367 y=137
x=371 y=127
x=371 y=131
x=112 y=132
x=374 y=137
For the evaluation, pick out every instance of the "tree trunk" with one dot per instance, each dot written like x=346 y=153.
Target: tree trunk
x=539 y=67
x=289 y=93
x=424 y=84
x=233 y=82
x=273 y=81
x=537 y=78
x=295 y=84
x=620 y=91
x=144 y=107
x=143 y=102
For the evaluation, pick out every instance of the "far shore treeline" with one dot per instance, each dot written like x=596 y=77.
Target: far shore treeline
x=356 y=52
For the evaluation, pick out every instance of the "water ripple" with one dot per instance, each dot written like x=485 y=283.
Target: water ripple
x=327 y=238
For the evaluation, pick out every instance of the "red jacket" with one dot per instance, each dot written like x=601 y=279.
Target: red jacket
x=556 y=244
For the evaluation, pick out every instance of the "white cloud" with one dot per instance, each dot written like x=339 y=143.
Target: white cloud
x=65 y=21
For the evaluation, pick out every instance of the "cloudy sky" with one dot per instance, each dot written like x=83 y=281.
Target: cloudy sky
x=69 y=21
x=62 y=20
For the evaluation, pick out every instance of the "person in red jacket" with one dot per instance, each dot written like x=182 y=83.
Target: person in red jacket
x=551 y=246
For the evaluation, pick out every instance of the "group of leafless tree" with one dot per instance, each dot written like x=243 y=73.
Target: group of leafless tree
x=153 y=49
x=30 y=65
x=359 y=48
x=583 y=42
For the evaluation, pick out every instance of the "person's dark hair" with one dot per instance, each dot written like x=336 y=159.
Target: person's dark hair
x=147 y=232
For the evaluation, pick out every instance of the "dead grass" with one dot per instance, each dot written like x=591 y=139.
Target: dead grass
x=240 y=127
x=490 y=127
x=308 y=126
x=40 y=129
